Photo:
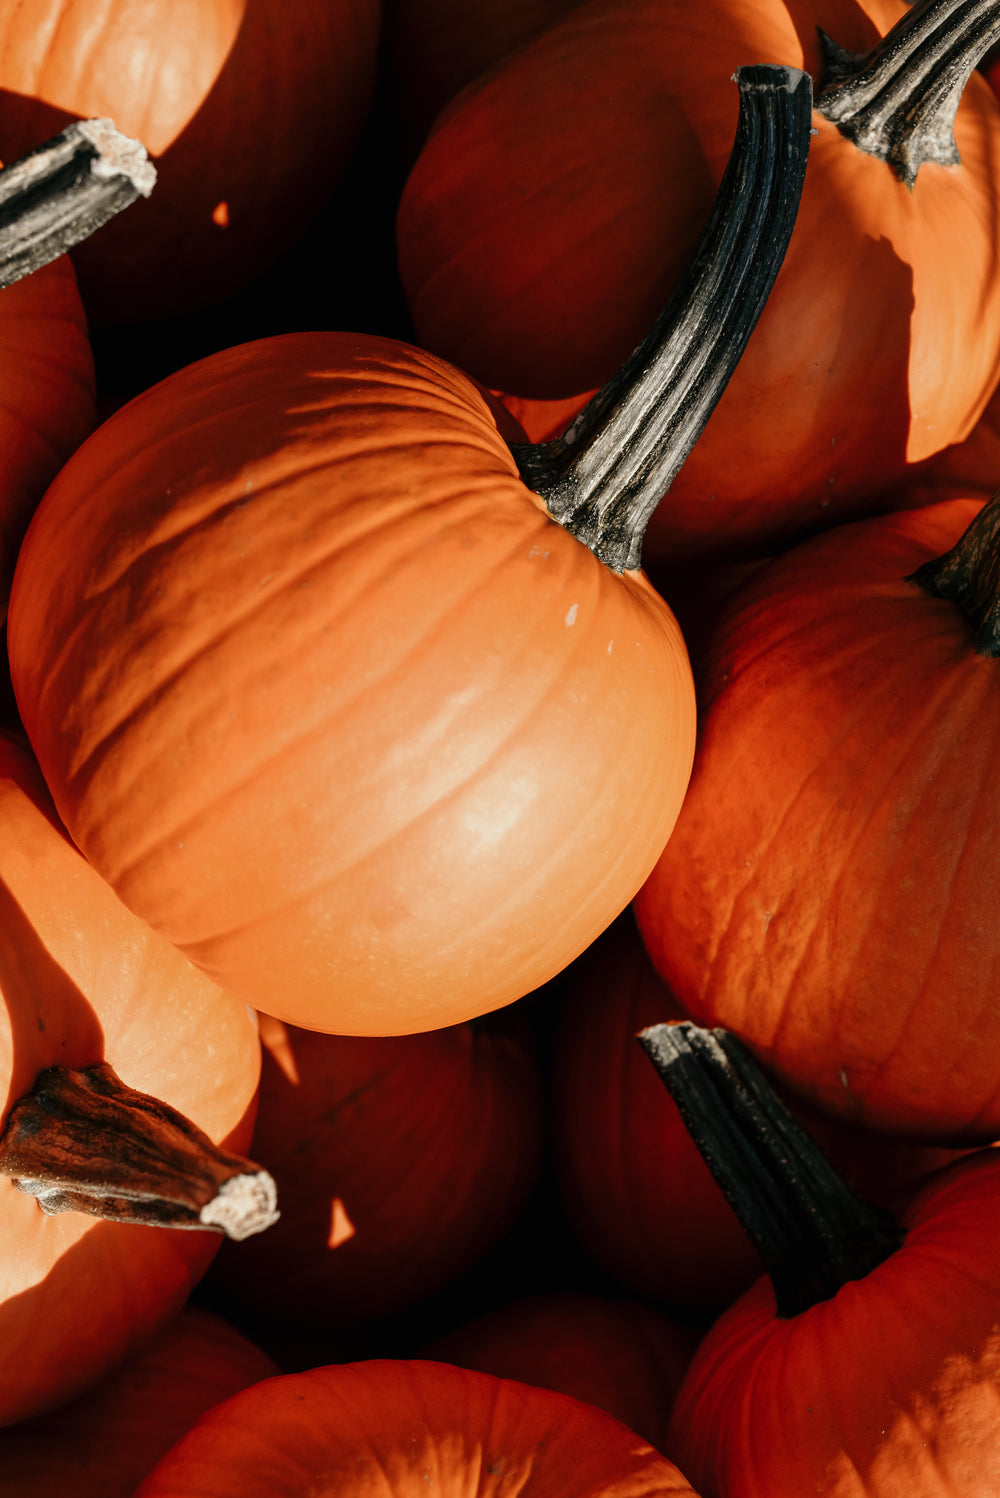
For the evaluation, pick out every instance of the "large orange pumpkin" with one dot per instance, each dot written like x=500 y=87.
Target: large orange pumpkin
x=82 y=982
x=553 y=208
x=249 y=108
x=322 y=688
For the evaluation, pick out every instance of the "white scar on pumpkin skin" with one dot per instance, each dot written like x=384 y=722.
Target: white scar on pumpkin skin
x=571 y=614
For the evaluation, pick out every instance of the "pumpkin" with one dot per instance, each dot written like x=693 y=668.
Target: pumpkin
x=84 y=985
x=399 y=1161
x=636 y=1190
x=587 y=162
x=620 y=1355
x=827 y=891
x=326 y=694
x=402 y=1427
x=432 y=51
x=867 y=1364
x=103 y=1444
x=249 y=108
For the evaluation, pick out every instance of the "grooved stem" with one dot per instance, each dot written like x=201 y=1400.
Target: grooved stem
x=898 y=101
x=603 y=478
x=969 y=576
x=811 y=1229
x=62 y=192
x=81 y=1141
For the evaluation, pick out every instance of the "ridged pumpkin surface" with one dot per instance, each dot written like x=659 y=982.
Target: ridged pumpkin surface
x=829 y=891
x=331 y=702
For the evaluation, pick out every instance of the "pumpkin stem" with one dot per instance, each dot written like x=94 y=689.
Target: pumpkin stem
x=62 y=192
x=811 y=1229
x=603 y=478
x=81 y=1141
x=898 y=101
x=969 y=576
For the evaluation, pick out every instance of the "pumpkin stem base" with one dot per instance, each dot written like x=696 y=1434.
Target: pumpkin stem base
x=81 y=1141
x=898 y=101
x=811 y=1229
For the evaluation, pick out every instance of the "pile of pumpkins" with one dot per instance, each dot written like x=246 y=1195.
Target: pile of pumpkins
x=497 y=557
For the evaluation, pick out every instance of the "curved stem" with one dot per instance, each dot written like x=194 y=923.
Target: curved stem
x=898 y=101
x=604 y=476
x=62 y=192
x=81 y=1141
x=811 y=1229
x=969 y=576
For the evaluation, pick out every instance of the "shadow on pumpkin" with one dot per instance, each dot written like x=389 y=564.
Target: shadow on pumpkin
x=245 y=156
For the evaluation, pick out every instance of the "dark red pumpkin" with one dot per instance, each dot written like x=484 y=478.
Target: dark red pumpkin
x=399 y=1161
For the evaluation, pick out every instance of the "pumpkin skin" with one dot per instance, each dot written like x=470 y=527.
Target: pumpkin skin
x=620 y=1355
x=323 y=693
x=891 y=1386
x=638 y=1193
x=47 y=395
x=81 y=980
x=103 y=1444
x=590 y=160
x=249 y=108
x=400 y=1427
x=399 y=1161
x=827 y=892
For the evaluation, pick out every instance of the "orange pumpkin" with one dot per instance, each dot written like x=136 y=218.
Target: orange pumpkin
x=588 y=162
x=401 y=1428
x=322 y=688
x=828 y=891
x=83 y=982
x=249 y=108
x=867 y=1363
x=103 y=1444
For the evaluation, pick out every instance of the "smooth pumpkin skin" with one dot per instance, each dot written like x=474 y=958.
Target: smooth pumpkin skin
x=401 y=1427
x=47 y=395
x=399 y=1161
x=81 y=981
x=103 y=1444
x=829 y=888
x=590 y=162
x=640 y=1197
x=250 y=110
x=890 y=1388
x=328 y=699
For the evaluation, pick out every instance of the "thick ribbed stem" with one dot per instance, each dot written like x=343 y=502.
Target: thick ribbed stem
x=60 y=193
x=898 y=101
x=81 y=1141
x=811 y=1229
x=605 y=475
x=969 y=576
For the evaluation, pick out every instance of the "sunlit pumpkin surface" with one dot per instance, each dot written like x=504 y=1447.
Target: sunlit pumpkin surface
x=81 y=981
x=331 y=702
